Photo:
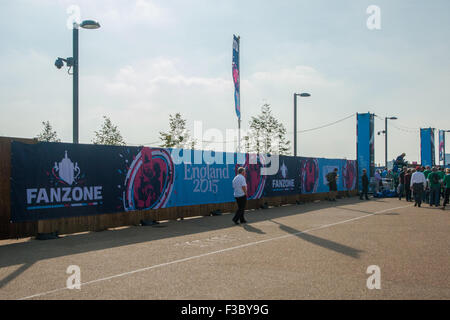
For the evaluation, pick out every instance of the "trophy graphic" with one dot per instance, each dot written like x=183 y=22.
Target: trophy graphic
x=284 y=170
x=66 y=170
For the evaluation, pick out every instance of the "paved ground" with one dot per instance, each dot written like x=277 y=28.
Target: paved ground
x=314 y=251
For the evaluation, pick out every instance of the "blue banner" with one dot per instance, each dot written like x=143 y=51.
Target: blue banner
x=236 y=76
x=441 y=145
x=57 y=180
x=365 y=144
x=427 y=147
x=433 y=147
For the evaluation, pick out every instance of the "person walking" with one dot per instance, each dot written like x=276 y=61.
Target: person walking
x=446 y=188
x=240 y=194
x=378 y=181
x=402 y=186
x=408 y=176
x=417 y=186
x=435 y=187
x=365 y=185
x=427 y=171
x=332 y=183
x=426 y=193
x=441 y=173
x=395 y=179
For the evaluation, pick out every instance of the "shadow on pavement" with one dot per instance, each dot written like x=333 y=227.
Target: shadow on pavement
x=249 y=228
x=27 y=253
x=325 y=243
x=15 y=273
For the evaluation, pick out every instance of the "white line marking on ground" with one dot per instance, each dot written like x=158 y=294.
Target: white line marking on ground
x=213 y=252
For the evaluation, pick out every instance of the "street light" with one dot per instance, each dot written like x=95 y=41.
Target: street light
x=90 y=24
x=304 y=95
x=385 y=138
x=73 y=63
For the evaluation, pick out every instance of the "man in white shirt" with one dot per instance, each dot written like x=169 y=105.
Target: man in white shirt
x=417 y=185
x=240 y=194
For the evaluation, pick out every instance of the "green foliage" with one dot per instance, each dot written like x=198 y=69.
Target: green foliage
x=47 y=134
x=177 y=136
x=267 y=134
x=109 y=134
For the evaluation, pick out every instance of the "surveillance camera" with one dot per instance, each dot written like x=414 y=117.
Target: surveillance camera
x=59 y=63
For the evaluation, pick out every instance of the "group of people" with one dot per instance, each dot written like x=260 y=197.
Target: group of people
x=423 y=184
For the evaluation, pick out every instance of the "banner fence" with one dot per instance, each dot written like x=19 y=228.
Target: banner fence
x=58 y=180
x=427 y=148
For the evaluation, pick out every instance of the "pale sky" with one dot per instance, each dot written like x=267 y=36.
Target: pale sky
x=153 y=58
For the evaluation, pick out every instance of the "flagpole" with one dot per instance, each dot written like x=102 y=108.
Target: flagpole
x=239 y=135
x=239 y=119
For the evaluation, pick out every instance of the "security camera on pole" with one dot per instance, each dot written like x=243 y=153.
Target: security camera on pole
x=73 y=63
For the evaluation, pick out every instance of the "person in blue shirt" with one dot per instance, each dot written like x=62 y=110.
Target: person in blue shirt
x=400 y=161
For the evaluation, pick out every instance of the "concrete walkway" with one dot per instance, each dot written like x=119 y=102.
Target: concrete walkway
x=314 y=251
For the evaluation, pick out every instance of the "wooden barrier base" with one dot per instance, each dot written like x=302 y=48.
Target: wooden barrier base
x=47 y=236
x=135 y=218
x=146 y=223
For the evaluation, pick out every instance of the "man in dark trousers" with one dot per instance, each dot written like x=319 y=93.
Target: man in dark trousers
x=417 y=185
x=365 y=185
x=435 y=187
x=401 y=179
x=240 y=194
x=332 y=183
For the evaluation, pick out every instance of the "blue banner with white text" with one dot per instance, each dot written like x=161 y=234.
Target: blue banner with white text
x=441 y=145
x=58 y=180
x=365 y=145
x=427 y=148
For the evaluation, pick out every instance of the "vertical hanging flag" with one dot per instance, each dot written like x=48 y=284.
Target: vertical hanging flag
x=427 y=147
x=365 y=151
x=236 y=76
x=441 y=145
x=433 y=149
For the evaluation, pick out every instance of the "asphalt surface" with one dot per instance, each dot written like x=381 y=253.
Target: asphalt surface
x=318 y=250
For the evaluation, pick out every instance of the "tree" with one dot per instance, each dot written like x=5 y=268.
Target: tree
x=47 y=134
x=177 y=136
x=109 y=134
x=267 y=134
x=247 y=147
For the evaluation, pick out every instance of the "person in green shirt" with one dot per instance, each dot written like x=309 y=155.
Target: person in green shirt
x=426 y=193
x=435 y=187
x=441 y=174
x=395 y=178
x=427 y=171
x=446 y=187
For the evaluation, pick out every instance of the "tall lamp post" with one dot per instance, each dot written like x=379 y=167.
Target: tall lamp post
x=295 y=118
x=73 y=63
x=386 y=139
